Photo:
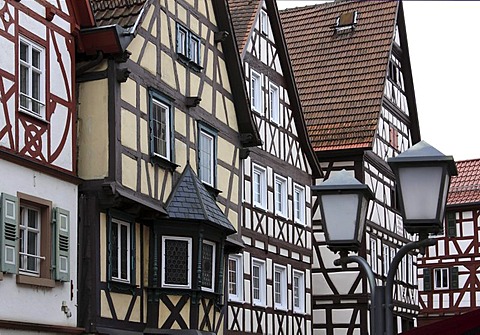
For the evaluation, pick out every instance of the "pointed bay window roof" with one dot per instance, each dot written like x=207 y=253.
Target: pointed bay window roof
x=190 y=200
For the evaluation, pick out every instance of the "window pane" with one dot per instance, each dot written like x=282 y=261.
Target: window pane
x=296 y=291
x=24 y=52
x=124 y=252
x=206 y=158
x=114 y=249
x=176 y=262
x=256 y=282
x=232 y=276
x=36 y=58
x=160 y=129
x=277 y=287
x=207 y=265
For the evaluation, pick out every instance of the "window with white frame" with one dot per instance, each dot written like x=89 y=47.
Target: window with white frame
x=30 y=227
x=410 y=269
x=259 y=186
x=120 y=240
x=235 y=278
x=160 y=127
x=34 y=239
x=281 y=196
x=259 y=283
x=441 y=278
x=208 y=266
x=274 y=106
x=263 y=22
x=206 y=155
x=256 y=91
x=373 y=254
x=32 y=77
x=280 y=287
x=386 y=261
x=299 y=204
x=176 y=261
x=188 y=46
x=298 y=291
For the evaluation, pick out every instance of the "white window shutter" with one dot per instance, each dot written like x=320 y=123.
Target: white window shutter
x=9 y=233
x=62 y=244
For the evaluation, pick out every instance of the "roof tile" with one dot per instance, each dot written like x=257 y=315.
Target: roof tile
x=465 y=188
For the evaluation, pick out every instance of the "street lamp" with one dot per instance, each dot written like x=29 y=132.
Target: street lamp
x=423 y=176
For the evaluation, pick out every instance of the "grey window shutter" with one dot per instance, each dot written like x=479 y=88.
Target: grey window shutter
x=62 y=244
x=454 y=278
x=427 y=279
x=9 y=233
x=451 y=225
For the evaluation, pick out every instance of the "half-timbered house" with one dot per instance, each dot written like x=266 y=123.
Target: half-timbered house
x=448 y=272
x=270 y=282
x=38 y=190
x=352 y=69
x=162 y=127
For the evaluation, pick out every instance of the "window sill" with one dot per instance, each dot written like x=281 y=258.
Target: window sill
x=259 y=304
x=35 y=281
x=33 y=115
x=189 y=63
x=164 y=163
x=121 y=287
x=281 y=308
x=236 y=300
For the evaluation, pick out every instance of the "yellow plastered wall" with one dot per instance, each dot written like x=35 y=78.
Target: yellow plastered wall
x=92 y=134
x=103 y=247
x=104 y=308
x=164 y=312
x=129 y=172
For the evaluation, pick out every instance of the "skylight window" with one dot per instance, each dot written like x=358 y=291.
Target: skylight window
x=346 y=22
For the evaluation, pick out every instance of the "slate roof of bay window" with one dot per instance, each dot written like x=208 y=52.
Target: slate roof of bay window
x=190 y=200
x=243 y=17
x=122 y=12
x=340 y=76
x=465 y=188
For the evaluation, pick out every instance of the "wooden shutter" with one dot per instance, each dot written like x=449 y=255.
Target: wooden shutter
x=427 y=279
x=451 y=224
x=9 y=233
x=62 y=244
x=454 y=277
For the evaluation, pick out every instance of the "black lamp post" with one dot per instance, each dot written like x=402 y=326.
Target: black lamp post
x=423 y=178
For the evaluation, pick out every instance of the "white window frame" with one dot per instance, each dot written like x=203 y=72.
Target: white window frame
x=214 y=250
x=300 y=308
x=119 y=224
x=410 y=269
x=299 y=204
x=444 y=279
x=386 y=260
x=166 y=109
x=261 y=200
x=25 y=234
x=238 y=281
x=31 y=69
x=207 y=178
x=264 y=22
x=261 y=299
x=189 y=45
x=281 y=196
x=280 y=287
x=189 y=261
x=256 y=91
x=373 y=254
x=274 y=106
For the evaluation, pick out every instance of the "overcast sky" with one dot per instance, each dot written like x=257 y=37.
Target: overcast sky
x=444 y=45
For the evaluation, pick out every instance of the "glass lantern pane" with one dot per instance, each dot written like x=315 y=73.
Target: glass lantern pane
x=340 y=212
x=420 y=191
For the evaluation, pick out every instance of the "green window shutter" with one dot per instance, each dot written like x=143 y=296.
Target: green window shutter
x=9 y=233
x=427 y=279
x=451 y=225
x=454 y=278
x=62 y=244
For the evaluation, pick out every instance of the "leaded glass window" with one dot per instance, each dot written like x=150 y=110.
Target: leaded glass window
x=176 y=260
x=208 y=265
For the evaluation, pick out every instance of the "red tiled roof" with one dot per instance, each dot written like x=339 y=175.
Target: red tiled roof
x=243 y=14
x=340 y=77
x=465 y=188
x=121 y=12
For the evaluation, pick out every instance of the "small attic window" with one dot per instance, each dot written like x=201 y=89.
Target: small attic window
x=346 y=22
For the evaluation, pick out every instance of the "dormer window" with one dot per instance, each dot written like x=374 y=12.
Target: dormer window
x=346 y=22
